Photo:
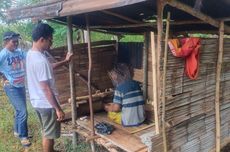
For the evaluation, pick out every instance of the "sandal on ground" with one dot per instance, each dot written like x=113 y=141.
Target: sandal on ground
x=25 y=142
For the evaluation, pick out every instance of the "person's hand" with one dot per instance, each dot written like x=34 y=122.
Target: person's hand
x=60 y=115
x=68 y=57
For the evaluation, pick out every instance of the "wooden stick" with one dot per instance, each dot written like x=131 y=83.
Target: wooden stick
x=121 y=16
x=89 y=84
x=145 y=65
x=100 y=94
x=83 y=79
x=140 y=129
x=201 y=16
x=164 y=83
x=92 y=138
x=72 y=78
x=218 y=79
x=96 y=95
x=155 y=87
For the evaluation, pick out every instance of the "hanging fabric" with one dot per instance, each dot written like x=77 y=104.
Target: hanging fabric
x=188 y=48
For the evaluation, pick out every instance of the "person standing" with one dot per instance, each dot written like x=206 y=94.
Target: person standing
x=41 y=85
x=12 y=61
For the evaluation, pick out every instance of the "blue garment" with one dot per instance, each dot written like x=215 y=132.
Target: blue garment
x=130 y=97
x=12 y=66
x=17 y=97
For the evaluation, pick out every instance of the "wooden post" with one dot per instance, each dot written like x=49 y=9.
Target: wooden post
x=155 y=84
x=145 y=64
x=164 y=84
x=117 y=44
x=218 y=80
x=157 y=54
x=89 y=84
x=72 y=78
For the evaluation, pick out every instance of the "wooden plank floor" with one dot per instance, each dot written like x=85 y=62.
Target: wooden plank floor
x=124 y=137
x=102 y=117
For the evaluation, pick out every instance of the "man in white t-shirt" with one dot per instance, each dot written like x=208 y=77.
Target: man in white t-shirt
x=41 y=85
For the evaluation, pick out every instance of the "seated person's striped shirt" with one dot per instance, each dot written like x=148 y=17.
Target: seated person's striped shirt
x=130 y=98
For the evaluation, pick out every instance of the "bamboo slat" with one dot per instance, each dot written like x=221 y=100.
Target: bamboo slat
x=190 y=104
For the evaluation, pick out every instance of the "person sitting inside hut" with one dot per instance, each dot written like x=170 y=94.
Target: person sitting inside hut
x=128 y=102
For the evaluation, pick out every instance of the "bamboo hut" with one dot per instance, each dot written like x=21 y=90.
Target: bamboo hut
x=184 y=115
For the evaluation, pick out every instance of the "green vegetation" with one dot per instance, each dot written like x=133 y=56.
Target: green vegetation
x=9 y=143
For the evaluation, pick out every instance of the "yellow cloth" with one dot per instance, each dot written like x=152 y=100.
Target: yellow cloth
x=115 y=116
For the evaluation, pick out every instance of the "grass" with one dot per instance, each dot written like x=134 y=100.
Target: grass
x=8 y=143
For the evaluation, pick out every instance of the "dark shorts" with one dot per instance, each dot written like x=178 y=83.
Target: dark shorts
x=51 y=128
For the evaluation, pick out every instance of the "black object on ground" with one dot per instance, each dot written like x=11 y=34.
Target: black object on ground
x=104 y=128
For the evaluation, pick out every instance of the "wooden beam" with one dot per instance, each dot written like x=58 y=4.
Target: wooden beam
x=197 y=14
x=194 y=32
x=122 y=26
x=218 y=80
x=96 y=95
x=78 y=27
x=155 y=84
x=72 y=78
x=145 y=65
x=164 y=84
x=190 y=10
x=187 y=22
x=89 y=84
x=121 y=17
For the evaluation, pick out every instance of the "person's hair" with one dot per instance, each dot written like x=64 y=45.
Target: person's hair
x=42 y=30
x=122 y=72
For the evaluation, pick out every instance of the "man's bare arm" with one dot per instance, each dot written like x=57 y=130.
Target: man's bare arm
x=59 y=64
x=52 y=100
x=65 y=61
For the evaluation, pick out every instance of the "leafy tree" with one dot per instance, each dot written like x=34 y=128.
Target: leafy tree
x=4 y=5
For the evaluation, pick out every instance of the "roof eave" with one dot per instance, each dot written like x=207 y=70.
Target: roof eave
x=62 y=8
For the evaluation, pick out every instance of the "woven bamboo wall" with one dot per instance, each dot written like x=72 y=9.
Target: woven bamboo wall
x=103 y=56
x=190 y=104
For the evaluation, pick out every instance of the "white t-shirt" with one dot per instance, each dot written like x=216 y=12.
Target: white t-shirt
x=39 y=69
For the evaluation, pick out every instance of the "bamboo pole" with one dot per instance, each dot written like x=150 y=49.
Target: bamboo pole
x=72 y=78
x=155 y=87
x=164 y=83
x=145 y=64
x=218 y=80
x=89 y=85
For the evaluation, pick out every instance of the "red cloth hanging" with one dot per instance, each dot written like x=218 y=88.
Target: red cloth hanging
x=188 y=48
